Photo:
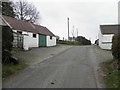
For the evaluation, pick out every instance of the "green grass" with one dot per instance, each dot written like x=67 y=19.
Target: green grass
x=15 y=50
x=111 y=71
x=69 y=42
x=10 y=69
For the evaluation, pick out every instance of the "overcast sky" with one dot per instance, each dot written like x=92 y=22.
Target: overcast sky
x=86 y=15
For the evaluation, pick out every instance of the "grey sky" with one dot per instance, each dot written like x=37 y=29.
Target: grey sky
x=86 y=15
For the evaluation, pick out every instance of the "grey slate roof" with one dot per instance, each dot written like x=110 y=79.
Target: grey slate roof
x=110 y=29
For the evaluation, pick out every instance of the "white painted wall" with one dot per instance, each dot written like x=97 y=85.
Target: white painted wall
x=51 y=42
x=29 y=41
x=2 y=22
x=105 y=41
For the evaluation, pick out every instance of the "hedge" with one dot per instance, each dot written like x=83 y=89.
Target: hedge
x=116 y=47
x=7 y=38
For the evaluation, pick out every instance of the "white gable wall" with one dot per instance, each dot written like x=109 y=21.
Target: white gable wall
x=29 y=41
x=51 y=42
x=105 y=41
x=100 y=39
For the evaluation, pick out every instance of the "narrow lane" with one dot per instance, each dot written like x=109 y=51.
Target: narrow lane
x=74 y=68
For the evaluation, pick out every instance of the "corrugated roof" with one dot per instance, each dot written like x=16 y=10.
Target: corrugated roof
x=110 y=29
x=27 y=26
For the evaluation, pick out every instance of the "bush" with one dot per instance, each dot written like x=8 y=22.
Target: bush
x=83 y=40
x=116 y=46
x=7 y=38
x=69 y=42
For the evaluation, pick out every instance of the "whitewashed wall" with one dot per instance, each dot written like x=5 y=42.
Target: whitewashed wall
x=105 y=41
x=29 y=41
x=51 y=42
x=2 y=22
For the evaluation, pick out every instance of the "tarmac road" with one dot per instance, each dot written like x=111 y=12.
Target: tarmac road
x=73 y=68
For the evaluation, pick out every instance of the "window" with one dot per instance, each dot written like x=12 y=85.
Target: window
x=20 y=32
x=34 y=35
x=50 y=37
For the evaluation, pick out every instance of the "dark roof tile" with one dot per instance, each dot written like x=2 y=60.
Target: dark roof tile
x=19 y=24
x=43 y=30
x=27 y=26
x=110 y=29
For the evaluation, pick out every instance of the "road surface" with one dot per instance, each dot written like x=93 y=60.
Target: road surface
x=76 y=67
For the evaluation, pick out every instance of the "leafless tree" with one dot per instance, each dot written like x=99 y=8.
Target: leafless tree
x=25 y=11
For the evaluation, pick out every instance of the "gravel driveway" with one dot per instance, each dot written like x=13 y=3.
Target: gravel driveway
x=36 y=55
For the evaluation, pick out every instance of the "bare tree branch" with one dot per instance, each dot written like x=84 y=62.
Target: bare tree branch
x=25 y=11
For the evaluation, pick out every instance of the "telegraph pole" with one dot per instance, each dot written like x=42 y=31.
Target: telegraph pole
x=68 y=28
x=77 y=32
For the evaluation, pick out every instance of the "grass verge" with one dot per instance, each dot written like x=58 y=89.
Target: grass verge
x=110 y=69
x=10 y=69
x=69 y=42
x=15 y=50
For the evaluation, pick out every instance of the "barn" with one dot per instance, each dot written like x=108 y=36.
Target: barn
x=28 y=35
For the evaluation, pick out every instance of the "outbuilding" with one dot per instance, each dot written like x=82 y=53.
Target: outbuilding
x=105 y=35
x=28 y=35
x=46 y=37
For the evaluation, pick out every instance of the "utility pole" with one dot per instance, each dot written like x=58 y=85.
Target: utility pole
x=77 y=32
x=68 y=28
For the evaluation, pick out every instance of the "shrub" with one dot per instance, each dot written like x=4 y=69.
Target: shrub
x=83 y=40
x=69 y=42
x=7 y=38
x=116 y=46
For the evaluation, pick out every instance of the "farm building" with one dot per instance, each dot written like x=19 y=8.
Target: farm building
x=28 y=35
x=105 y=35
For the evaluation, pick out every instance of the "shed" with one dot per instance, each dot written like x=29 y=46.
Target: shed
x=105 y=35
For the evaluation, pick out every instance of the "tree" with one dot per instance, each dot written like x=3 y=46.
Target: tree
x=7 y=35
x=7 y=9
x=83 y=40
x=97 y=42
x=116 y=46
x=7 y=38
x=116 y=49
x=25 y=11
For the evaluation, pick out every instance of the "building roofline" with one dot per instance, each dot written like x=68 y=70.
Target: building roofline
x=32 y=26
x=6 y=21
x=111 y=25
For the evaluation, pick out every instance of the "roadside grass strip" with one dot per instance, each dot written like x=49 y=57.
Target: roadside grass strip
x=10 y=69
x=110 y=69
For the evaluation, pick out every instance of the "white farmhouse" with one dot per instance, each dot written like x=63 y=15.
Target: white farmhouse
x=105 y=35
x=29 y=35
